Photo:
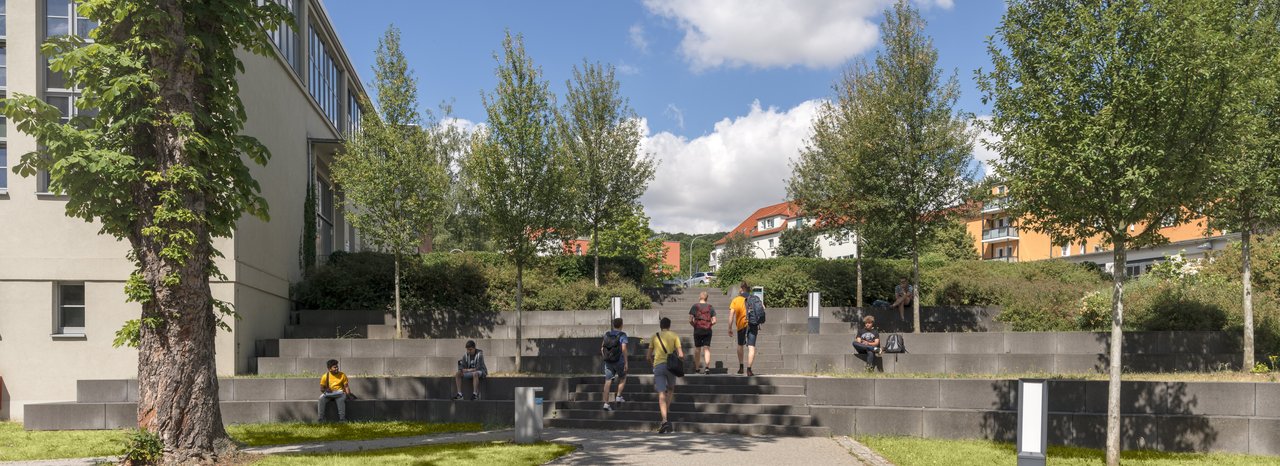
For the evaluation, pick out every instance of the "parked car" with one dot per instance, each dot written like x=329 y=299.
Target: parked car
x=700 y=279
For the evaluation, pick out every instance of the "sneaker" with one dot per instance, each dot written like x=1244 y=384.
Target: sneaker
x=607 y=407
x=475 y=396
x=666 y=428
x=458 y=396
x=739 y=369
x=880 y=351
x=619 y=399
x=750 y=373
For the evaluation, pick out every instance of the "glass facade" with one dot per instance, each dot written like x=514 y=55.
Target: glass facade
x=285 y=37
x=323 y=78
x=353 y=113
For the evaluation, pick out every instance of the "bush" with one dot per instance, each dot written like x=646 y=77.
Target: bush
x=1033 y=296
x=835 y=279
x=142 y=447
x=354 y=281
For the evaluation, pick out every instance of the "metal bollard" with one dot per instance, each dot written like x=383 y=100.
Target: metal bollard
x=615 y=306
x=528 y=414
x=815 y=312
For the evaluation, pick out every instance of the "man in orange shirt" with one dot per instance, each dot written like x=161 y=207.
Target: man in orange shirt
x=746 y=334
x=333 y=386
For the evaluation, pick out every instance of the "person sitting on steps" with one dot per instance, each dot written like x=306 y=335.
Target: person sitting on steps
x=867 y=341
x=471 y=366
x=333 y=386
x=903 y=294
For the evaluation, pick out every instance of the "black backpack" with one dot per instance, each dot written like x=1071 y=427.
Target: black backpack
x=755 y=310
x=894 y=344
x=612 y=346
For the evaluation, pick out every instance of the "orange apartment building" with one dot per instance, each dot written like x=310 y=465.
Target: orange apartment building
x=998 y=238
x=671 y=251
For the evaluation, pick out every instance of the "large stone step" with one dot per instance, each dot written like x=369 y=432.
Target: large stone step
x=702 y=388
x=687 y=397
x=631 y=405
x=693 y=427
x=728 y=417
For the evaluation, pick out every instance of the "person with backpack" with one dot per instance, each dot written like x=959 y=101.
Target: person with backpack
x=662 y=346
x=614 y=351
x=471 y=366
x=747 y=312
x=867 y=341
x=702 y=317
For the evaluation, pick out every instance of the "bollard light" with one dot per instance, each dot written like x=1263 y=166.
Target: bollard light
x=815 y=299
x=1033 y=421
x=615 y=306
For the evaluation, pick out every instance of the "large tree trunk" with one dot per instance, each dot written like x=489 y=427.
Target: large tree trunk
x=857 y=260
x=595 y=237
x=1117 y=338
x=519 y=313
x=1246 y=278
x=399 y=333
x=915 y=288
x=177 y=375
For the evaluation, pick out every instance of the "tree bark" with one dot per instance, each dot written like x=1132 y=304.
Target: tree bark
x=915 y=288
x=177 y=374
x=1246 y=278
x=519 y=314
x=1117 y=339
x=857 y=260
x=399 y=333
x=595 y=237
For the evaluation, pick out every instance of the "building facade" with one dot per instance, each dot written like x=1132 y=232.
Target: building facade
x=998 y=238
x=764 y=228
x=62 y=284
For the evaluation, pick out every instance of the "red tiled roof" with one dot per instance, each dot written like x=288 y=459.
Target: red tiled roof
x=748 y=227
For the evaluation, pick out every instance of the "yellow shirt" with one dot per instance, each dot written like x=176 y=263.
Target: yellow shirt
x=670 y=339
x=336 y=382
x=738 y=311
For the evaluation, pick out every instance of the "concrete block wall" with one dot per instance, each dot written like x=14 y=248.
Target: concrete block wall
x=1238 y=417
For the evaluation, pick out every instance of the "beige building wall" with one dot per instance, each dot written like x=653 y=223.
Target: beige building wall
x=41 y=247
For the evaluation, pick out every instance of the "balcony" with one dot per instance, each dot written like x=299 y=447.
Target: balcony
x=999 y=234
x=995 y=205
x=1001 y=259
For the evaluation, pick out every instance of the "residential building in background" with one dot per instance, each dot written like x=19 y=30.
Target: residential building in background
x=670 y=251
x=62 y=284
x=998 y=238
x=764 y=230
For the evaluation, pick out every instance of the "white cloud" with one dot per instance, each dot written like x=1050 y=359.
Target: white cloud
x=775 y=33
x=467 y=126
x=981 y=150
x=712 y=182
x=627 y=68
x=676 y=114
x=637 y=38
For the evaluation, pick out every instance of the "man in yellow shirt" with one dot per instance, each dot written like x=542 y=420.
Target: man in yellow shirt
x=746 y=334
x=664 y=343
x=333 y=386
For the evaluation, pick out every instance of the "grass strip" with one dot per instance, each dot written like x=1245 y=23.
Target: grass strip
x=452 y=454
x=914 y=451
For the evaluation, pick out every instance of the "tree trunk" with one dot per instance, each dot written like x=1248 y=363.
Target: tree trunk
x=595 y=237
x=1117 y=339
x=399 y=334
x=1246 y=278
x=915 y=288
x=177 y=373
x=519 y=314
x=857 y=260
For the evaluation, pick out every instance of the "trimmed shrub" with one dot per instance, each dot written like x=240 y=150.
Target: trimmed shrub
x=349 y=281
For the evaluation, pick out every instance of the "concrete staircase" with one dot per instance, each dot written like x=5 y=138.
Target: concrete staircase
x=710 y=404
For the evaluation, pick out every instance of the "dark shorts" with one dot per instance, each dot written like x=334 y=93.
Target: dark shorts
x=747 y=336
x=473 y=374
x=701 y=340
x=614 y=370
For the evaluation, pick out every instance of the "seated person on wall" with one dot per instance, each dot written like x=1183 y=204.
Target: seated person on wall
x=867 y=341
x=333 y=386
x=903 y=294
x=471 y=366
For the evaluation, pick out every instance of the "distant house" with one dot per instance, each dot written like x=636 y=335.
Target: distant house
x=764 y=228
x=671 y=251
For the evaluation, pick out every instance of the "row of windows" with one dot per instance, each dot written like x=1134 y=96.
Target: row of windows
x=323 y=79
x=285 y=38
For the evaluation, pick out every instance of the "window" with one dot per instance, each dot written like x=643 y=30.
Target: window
x=69 y=301
x=61 y=19
x=1082 y=248
x=770 y=243
x=4 y=63
x=3 y=16
x=4 y=168
x=325 y=222
x=1066 y=250
x=323 y=80
x=1000 y=252
x=1168 y=221
x=353 y=113
x=285 y=38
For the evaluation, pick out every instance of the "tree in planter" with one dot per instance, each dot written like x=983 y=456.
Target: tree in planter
x=518 y=176
x=737 y=245
x=161 y=164
x=1244 y=187
x=799 y=242
x=601 y=135
x=394 y=169
x=1109 y=114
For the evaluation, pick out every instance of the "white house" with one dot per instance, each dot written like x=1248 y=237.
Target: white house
x=764 y=228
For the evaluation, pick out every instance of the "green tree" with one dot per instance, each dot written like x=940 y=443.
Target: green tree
x=911 y=160
x=518 y=177
x=799 y=242
x=602 y=136
x=161 y=164
x=395 y=168
x=1244 y=192
x=1109 y=113
x=735 y=246
x=953 y=242
x=630 y=236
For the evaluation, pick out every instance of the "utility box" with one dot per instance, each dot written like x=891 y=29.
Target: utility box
x=528 y=414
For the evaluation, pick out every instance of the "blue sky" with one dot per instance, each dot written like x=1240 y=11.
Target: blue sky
x=726 y=89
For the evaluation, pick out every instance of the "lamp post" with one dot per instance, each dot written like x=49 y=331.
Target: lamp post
x=691 y=241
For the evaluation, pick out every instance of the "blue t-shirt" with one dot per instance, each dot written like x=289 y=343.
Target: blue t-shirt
x=622 y=336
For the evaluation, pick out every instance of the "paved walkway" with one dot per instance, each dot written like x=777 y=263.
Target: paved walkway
x=612 y=447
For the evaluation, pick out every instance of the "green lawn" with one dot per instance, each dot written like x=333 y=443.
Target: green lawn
x=913 y=451
x=18 y=444
x=455 y=454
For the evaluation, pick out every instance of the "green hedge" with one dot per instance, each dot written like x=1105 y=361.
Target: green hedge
x=467 y=282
